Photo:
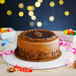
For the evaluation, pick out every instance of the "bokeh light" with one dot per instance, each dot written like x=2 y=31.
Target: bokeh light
x=31 y=13
x=61 y=2
x=37 y=4
x=52 y=4
x=9 y=12
x=51 y=18
x=21 y=5
x=2 y=1
x=39 y=24
x=40 y=1
x=66 y=13
x=30 y=8
x=33 y=17
x=21 y=14
x=31 y=23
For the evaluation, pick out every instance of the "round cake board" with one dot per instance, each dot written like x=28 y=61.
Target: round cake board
x=12 y=60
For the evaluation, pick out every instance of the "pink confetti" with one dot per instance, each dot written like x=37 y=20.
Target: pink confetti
x=68 y=46
x=68 y=49
x=64 y=43
x=74 y=50
x=60 y=39
x=1 y=53
x=9 y=52
x=68 y=63
x=5 y=53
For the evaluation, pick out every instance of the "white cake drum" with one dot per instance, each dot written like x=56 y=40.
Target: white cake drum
x=12 y=60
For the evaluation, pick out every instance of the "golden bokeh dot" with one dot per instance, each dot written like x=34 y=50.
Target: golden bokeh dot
x=21 y=14
x=66 y=13
x=30 y=13
x=21 y=5
x=52 y=4
x=39 y=24
x=37 y=4
x=2 y=1
x=30 y=8
x=33 y=17
x=51 y=18
x=31 y=23
x=40 y=1
x=9 y=12
x=61 y=2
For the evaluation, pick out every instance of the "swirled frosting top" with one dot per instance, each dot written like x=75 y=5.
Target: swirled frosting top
x=38 y=35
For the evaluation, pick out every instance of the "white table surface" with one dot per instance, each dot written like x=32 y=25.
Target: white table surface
x=64 y=71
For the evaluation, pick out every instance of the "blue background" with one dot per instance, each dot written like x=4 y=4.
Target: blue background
x=42 y=13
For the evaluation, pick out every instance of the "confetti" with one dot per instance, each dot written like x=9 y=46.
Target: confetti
x=7 y=52
x=68 y=63
x=68 y=46
x=1 y=53
x=5 y=41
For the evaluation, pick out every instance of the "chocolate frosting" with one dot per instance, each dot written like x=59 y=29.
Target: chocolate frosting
x=38 y=35
x=37 y=45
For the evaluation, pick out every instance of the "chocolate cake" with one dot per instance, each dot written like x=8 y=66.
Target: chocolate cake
x=38 y=45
